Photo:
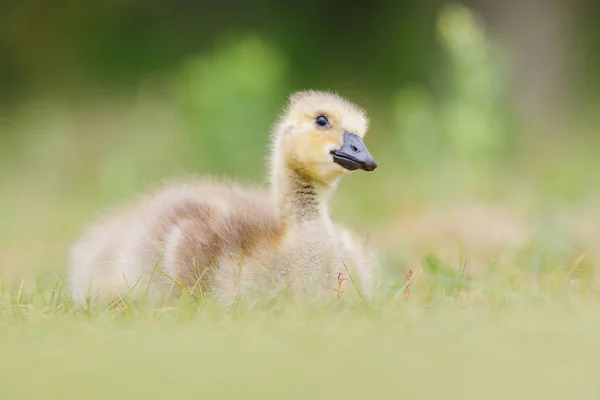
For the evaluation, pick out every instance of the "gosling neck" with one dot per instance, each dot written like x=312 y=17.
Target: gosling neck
x=300 y=198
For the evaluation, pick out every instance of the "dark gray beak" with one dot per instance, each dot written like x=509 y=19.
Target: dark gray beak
x=354 y=154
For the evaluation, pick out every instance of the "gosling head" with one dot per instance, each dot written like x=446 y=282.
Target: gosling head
x=321 y=136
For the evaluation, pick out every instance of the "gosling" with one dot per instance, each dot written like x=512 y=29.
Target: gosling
x=232 y=242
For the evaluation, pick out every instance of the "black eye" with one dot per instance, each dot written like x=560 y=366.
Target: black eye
x=322 y=121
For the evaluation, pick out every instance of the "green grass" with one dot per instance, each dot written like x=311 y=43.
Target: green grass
x=443 y=334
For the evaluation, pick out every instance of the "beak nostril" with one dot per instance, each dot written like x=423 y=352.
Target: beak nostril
x=354 y=148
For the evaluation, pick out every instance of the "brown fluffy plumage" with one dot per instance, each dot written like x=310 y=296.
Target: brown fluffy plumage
x=232 y=241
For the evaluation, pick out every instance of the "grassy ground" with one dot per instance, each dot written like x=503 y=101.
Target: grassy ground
x=436 y=334
x=542 y=353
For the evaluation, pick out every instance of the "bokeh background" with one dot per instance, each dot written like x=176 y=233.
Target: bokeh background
x=484 y=115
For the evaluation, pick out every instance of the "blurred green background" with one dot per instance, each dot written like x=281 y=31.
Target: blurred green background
x=484 y=115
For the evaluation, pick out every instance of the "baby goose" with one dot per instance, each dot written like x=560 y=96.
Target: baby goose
x=240 y=242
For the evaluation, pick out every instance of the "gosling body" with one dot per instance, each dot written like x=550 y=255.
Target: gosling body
x=233 y=242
